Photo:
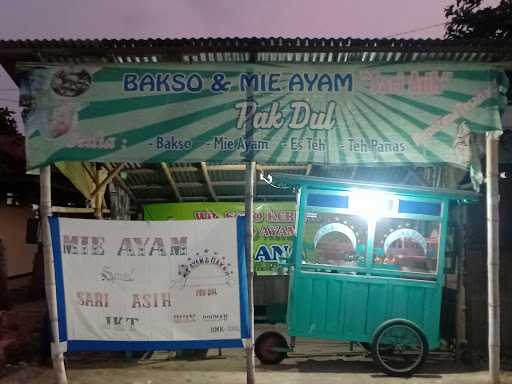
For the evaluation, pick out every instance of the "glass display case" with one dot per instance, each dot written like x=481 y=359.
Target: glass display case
x=367 y=266
x=364 y=231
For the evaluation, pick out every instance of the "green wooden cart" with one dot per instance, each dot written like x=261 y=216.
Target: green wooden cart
x=367 y=266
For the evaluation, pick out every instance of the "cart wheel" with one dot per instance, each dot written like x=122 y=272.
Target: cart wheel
x=399 y=347
x=264 y=348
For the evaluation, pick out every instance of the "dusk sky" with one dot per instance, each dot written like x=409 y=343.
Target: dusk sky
x=47 y=19
x=189 y=18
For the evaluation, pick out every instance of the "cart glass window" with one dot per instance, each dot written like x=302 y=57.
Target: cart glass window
x=334 y=239
x=409 y=245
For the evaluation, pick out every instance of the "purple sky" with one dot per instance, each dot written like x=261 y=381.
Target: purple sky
x=187 y=18
x=45 y=19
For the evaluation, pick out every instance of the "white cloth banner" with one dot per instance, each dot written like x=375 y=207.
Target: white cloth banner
x=143 y=285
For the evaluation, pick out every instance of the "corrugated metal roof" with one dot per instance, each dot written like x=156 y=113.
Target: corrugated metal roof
x=149 y=185
x=278 y=49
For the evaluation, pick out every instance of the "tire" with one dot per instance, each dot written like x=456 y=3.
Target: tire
x=399 y=347
x=263 y=348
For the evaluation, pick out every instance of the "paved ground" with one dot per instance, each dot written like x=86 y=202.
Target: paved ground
x=230 y=369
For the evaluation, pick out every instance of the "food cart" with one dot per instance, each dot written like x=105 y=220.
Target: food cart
x=367 y=266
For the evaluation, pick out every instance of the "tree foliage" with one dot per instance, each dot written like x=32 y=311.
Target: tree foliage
x=7 y=122
x=12 y=149
x=468 y=19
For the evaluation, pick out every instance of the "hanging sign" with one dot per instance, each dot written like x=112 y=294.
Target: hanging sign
x=272 y=113
x=140 y=285
x=274 y=226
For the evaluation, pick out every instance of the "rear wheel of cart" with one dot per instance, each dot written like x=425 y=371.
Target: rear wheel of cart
x=399 y=348
x=270 y=348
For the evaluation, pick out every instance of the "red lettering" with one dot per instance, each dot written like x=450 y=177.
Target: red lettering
x=92 y=299
x=136 y=301
x=151 y=300
x=205 y=215
x=146 y=300
x=89 y=299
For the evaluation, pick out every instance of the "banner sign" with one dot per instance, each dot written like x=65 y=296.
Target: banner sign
x=274 y=226
x=271 y=113
x=141 y=285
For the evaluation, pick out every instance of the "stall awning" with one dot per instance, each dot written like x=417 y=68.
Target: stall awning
x=150 y=183
x=410 y=113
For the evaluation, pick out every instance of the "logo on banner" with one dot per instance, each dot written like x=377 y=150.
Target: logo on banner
x=63 y=119
x=204 y=269
x=107 y=274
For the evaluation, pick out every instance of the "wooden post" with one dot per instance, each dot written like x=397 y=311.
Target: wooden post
x=250 y=173
x=45 y=206
x=99 y=184
x=493 y=255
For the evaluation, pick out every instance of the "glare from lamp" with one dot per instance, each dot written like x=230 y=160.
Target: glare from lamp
x=371 y=204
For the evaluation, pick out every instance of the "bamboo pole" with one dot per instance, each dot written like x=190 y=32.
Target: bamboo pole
x=57 y=209
x=493 y=255
x=87 y=169
x=102 y=183
x=123 y=185
x=250 y=173
x=170 y=180
x=45 y=206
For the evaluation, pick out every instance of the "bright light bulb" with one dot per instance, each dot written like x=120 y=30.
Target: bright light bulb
x=371 y=204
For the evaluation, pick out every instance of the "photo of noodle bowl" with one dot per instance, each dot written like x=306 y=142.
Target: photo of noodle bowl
x=71 y=82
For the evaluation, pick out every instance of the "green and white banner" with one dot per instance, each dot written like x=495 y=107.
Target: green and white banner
x=273 y=113
x=274 y=226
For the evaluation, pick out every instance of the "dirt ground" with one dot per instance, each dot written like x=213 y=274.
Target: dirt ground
x=230 y=368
